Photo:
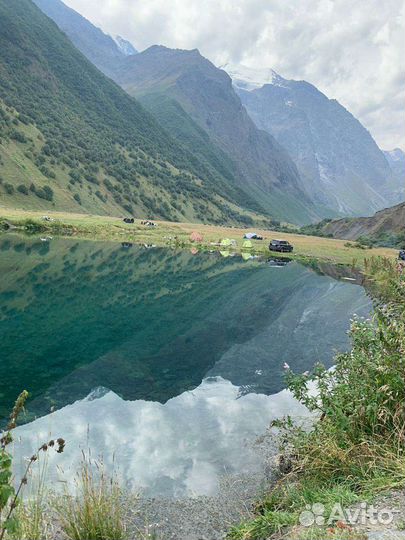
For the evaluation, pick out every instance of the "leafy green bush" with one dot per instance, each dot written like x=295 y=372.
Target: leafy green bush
x=18 y=136
x=23 y=189
x=46 y=192
x=9 y=188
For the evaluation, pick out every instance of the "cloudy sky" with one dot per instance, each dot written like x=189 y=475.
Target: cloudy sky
x=352 y=51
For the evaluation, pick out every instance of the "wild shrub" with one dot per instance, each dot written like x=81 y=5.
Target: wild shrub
x=361 y=405
x=9 y=188
x=10 y=518
x=23 y=189
x=97 y=509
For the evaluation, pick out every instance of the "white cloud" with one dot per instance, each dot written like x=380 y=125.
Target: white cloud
x=181 y=448
x=352 y=51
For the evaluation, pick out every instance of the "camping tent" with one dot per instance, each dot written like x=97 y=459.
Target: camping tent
x=247 y=244
x=226 y=242
x=250 y=235
x=196 y=237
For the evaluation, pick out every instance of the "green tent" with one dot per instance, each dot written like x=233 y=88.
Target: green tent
x=247 y=244
x=226 y=242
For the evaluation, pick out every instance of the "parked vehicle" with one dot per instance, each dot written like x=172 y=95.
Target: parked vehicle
x=253 y=236
x=278 y=262
x=281 y=245
x=128 y=220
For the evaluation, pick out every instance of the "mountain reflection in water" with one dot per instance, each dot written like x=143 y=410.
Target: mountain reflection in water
x=166 y=363
x=151 y=324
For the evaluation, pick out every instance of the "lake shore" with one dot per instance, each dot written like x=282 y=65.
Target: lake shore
x=87 y=226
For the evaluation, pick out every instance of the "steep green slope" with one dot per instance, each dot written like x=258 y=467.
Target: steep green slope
x=72 y=139
x=181 y=126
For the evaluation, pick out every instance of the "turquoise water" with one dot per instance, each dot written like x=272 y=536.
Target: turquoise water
x=156 y=352
x=150 y=324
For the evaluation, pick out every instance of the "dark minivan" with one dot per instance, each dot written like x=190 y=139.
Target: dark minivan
x=280 y=245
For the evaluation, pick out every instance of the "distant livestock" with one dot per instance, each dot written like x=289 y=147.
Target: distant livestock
x=148 y=223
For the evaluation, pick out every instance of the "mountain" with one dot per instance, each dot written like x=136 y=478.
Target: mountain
x=125 y=46
x=186 y=81
x=71 y=139
x=386 y=227
x=341 y=166
x=238 y=154
x=99 y=48
x=246 y=78
x=396 y=160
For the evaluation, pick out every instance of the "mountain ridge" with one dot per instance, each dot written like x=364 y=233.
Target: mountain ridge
x=341 y=165
x=188 y=130
x=98 y=47
x=205 y=93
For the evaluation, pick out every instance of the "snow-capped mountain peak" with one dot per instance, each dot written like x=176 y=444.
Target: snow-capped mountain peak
x=248 y=78
x=125 y=46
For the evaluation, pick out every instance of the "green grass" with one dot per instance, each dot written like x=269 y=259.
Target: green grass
x=355 y=449
x=306 y=248
x=97 y=511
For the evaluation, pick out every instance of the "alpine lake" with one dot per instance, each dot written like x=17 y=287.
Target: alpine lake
x=166 y=363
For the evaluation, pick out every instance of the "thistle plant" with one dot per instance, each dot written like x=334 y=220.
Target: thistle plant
x=9 y=496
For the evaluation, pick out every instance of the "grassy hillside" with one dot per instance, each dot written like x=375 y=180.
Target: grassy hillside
x=385 y=228
x=71 y=139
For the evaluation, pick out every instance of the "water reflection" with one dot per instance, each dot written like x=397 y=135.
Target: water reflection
x=150 y=324
x=177 y=449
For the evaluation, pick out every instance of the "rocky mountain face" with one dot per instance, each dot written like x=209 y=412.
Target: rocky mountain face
x=262 y=167
x=396 y=160
x=341 y=167
x=98 y=47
